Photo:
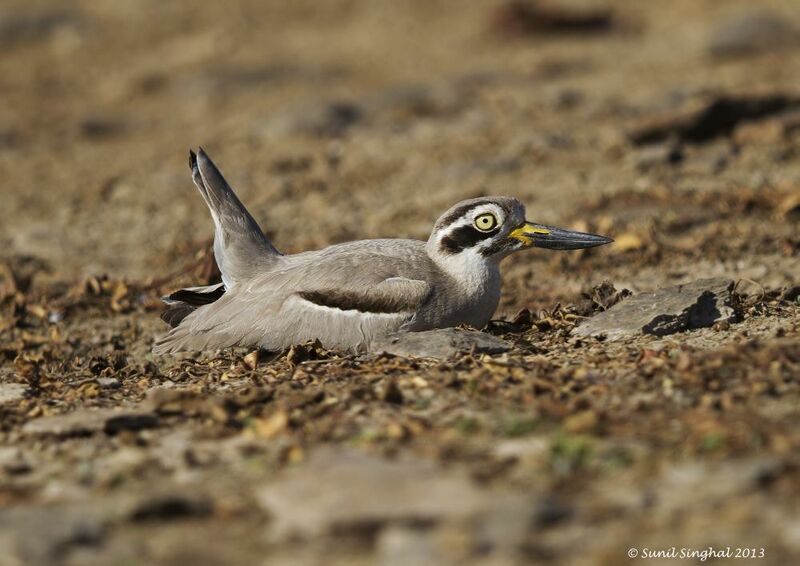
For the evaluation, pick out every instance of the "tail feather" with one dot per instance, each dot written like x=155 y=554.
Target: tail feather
x=240 y=247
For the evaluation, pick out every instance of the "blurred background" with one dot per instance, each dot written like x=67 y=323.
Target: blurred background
x=673 y=127
x=343 y=119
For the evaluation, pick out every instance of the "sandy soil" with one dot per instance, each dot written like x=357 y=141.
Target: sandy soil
x=667 y=125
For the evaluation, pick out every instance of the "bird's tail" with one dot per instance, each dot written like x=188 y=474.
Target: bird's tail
x=240 y=247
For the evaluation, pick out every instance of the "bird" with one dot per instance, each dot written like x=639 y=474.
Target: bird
x=346 y=295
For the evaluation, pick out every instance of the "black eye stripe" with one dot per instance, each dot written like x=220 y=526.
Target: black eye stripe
x=464 y=237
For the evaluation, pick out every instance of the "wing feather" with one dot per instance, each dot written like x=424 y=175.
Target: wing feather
x=341 y=319
x=240 y=247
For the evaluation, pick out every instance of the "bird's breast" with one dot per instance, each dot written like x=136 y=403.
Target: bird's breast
x=465 y=297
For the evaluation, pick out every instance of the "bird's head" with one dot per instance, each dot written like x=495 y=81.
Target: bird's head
x=494 y=227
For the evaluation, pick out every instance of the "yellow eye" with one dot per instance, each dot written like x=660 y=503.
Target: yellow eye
x=486 y=222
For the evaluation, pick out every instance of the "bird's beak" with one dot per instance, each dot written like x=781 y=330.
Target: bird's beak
x=537 y=235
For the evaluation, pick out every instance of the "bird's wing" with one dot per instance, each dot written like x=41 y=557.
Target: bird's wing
x=183 y=302
x=240 y=247
x=267 y=315
x=393 y=295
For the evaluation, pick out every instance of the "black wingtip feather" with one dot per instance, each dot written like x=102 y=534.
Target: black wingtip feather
x=174 y=315
x=192 y=159
x=195 y=298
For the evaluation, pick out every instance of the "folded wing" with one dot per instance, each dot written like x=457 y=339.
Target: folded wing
x=342 y=317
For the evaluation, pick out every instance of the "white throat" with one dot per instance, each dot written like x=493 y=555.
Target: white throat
x=474 y=273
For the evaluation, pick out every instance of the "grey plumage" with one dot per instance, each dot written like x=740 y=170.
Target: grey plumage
x=240 y=247
x=346 y=294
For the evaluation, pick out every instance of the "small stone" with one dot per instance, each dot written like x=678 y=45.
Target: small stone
x=391 y=392
x=441 y=343
x=109 y=382
x=789 y=208
x=13 y=461
x=581 y=422
x=12 y=392
x=698 y=304
x=251 y=359
x=526 y=450
x=89 y=421
x=752 y=32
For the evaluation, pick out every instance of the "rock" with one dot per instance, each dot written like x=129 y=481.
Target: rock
x=341 y=491
x=34 y=26
x=698 y=304
x=322 y=119
x=401 y=545
x=700 y=121
x=441 y=343
x=171 y=506
x=45 y=535
x=109 y=382
x=752 y=32
x=12 y=392
x=526 y=450
x=13 y=461
x=89 y=421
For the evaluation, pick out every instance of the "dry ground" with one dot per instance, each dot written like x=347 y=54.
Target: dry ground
x=350 y=119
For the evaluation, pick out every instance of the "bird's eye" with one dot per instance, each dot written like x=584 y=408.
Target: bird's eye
x=486 y=222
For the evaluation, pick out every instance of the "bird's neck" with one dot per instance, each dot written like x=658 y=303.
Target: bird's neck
x=473 y=273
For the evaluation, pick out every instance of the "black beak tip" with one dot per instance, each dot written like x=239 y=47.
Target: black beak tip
x=565 y=240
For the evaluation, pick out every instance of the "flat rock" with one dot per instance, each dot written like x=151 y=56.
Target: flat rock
x=12 y=392
x=335 y=492
x=89 y=421
x=697 y=304
x=441 y=343
x=45 y=535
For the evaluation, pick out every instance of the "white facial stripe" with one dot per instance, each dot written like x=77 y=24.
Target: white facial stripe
x=469 y=218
